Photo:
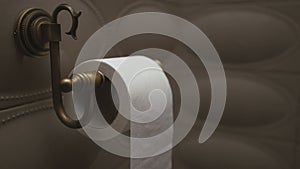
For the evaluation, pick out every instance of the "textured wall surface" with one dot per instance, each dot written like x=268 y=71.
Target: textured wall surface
x=31 y=135
x=258 y=42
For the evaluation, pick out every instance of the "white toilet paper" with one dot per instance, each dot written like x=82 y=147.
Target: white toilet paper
x=144 y=97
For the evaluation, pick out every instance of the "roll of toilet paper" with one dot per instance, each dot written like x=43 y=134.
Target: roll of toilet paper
x=142 y=95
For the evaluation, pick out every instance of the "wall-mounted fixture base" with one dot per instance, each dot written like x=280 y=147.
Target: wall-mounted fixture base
x=28 y=32
x=39 y=33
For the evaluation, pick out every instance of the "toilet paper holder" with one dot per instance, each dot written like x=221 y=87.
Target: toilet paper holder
x=37 y=33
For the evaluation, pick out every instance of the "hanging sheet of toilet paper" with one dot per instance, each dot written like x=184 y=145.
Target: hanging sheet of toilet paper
x=144 y=98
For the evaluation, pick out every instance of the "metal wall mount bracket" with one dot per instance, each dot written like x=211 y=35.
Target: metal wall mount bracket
x=37 y=33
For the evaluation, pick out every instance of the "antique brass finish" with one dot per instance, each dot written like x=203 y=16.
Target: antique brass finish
x=66 y=85
x=28 y=32
x=37 y=33
x=81 y=80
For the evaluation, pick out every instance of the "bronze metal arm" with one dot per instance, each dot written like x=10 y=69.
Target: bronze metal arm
x=37 y=33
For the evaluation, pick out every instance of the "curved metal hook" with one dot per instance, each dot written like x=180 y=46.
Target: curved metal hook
x=74 y=15
x=55 y=64
x=38 y=29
